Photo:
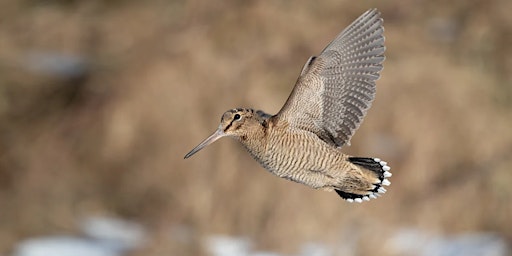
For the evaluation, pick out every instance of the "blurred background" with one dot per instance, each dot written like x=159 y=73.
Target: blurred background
x=100 y=101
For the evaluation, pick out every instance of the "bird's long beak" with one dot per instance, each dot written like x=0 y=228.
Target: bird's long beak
x=215 y=136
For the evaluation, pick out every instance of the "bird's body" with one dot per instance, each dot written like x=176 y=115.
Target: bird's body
x=302 y=142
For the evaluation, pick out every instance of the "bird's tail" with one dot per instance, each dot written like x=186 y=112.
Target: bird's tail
x=370 y=182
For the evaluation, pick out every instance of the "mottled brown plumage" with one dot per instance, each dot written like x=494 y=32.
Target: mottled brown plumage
x=328 y=103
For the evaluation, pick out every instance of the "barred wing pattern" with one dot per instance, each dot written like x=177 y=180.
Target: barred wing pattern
x=335 y=90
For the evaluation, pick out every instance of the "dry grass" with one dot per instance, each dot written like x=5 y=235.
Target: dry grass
x=162 y=73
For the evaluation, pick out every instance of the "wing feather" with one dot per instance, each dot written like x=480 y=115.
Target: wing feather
x=336 y=89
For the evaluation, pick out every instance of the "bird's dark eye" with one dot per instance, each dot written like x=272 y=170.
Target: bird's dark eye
x=236 y=117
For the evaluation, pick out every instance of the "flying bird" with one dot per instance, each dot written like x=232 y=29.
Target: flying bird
x=303 y=141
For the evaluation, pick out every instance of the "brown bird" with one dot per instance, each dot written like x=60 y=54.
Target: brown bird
x=302 y=141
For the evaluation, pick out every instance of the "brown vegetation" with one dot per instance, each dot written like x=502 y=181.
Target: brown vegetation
x=159 y=74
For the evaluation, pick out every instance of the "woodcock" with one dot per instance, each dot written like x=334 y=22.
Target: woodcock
x=302 y=141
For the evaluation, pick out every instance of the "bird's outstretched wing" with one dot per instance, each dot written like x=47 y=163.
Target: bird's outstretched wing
x=335 y=89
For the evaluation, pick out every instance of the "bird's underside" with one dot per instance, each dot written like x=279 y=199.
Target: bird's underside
x=304 y=158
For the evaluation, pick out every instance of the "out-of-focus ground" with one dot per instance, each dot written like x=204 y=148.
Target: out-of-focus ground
x=100 y=100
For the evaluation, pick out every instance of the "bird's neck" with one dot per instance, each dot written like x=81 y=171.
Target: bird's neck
x=255 y=140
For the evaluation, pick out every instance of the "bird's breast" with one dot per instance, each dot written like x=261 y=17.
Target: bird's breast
x=294 y=155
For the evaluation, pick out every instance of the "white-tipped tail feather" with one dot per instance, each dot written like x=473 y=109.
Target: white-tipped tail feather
x=382 y=172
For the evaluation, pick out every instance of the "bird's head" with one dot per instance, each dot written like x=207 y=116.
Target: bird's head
x=236 y=123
